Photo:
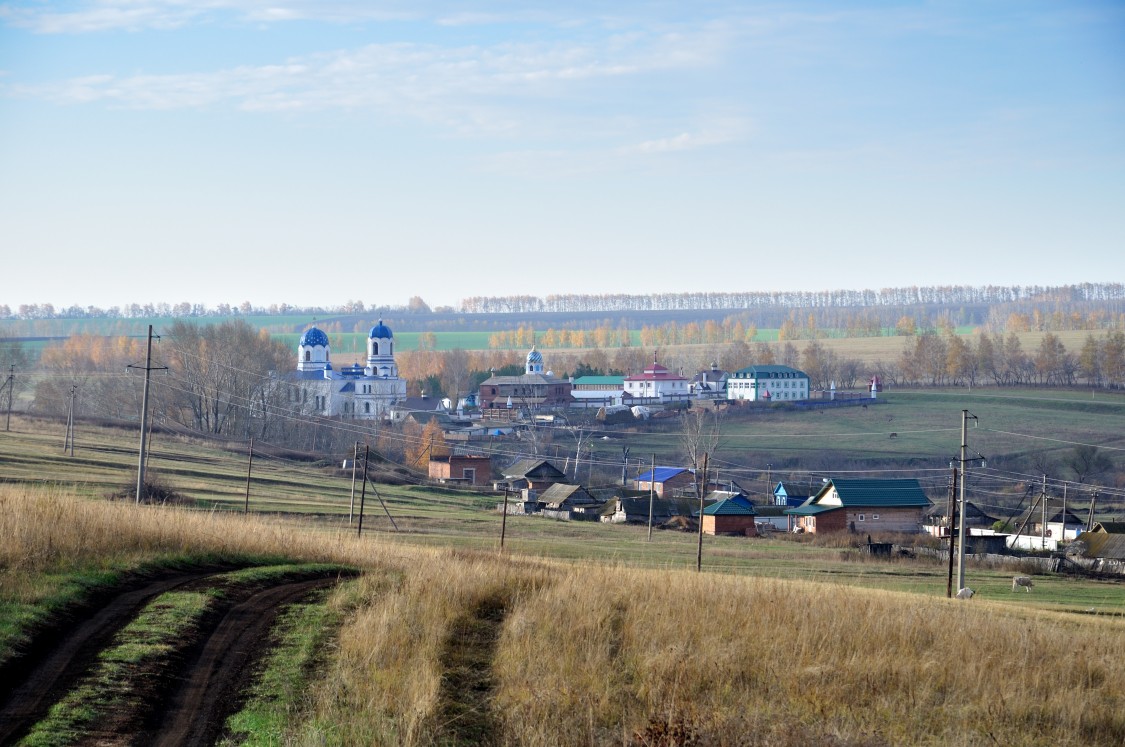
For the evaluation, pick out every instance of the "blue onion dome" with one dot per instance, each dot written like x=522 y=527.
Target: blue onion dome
x=534 y=356
x=314 y=336
x=381 y=332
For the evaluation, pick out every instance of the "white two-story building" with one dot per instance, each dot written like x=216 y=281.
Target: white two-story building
x=768 y=384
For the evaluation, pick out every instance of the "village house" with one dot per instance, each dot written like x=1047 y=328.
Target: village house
x=567 y=502
x=938 y=520
x=656 y=384
x=664 y=480
x=1102 y=548
x=768 y=384
x=730 y=516
x=862 y=505
x=598 y=391
x=532 y=390
x=635 y=510
x=1052 y=524
x=461 y=468
x=789 y=496
x=411 y=405
x=710 y=383
x=532 y=475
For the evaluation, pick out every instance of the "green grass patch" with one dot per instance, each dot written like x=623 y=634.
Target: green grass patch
x=278 y=699
x=109 y=691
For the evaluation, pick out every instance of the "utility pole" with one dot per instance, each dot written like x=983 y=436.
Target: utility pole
x=363 y=492
x=965 y=415
x=1090 y=520
x=1062 y=535
x=504 y=520
x=249 y=466
x=624 y=465
x=699 y=543
x=651 y=490
x=351 y=503
x=1043 y=520
x=149 y=368
x=952 y=523
x=68 y=440
x=11 y=384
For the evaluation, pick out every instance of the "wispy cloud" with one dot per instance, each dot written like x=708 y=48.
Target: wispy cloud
x=93 y=16
x=477 y=87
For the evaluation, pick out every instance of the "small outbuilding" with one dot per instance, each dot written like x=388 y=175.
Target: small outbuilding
x=730 y=516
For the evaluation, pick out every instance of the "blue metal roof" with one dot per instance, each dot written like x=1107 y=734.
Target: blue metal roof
x=314 y=336
x=660 y=474
x=380 y=332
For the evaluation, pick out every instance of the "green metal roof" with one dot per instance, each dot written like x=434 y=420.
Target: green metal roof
x=890 y=493
x=600 y=381
x=811 y=510
x=769 y=372
x=730 y=507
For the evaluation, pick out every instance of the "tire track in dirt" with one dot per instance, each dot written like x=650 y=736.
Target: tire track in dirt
x=58 y=656
x=464 y=709
x=212 y=682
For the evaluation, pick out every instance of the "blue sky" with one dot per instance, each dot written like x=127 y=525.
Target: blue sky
x=316 y=151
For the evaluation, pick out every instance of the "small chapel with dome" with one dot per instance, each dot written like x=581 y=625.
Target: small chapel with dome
x=534 y=389
x=356 y=391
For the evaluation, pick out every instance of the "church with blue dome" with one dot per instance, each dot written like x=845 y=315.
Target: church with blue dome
x=357 y=391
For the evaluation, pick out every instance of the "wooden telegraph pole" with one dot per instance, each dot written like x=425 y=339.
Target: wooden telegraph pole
x=363 y=492
x=504 y=520
x=11 y=383
x=149 y=368
x=952 y=513
x=651 y=489
x=351 y=503
x=249 y=466
x=699 y=544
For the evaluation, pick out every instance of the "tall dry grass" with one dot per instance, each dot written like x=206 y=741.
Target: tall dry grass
x=384 y=685
x=606 y=654
x=759 y=661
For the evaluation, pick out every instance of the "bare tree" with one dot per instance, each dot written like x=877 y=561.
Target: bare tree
x=1087 y=462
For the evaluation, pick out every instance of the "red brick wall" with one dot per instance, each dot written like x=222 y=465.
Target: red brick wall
x=729 y=525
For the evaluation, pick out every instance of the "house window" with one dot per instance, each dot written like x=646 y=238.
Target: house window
x=469 y=474
x=308 y=356
x=367 y=407
x=874 y=517
x=860 y=517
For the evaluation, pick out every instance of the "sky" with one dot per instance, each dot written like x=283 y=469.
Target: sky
x=314 y=152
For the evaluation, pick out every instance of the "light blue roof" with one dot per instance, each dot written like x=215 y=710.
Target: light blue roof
x=381 y=332
x=314 y=336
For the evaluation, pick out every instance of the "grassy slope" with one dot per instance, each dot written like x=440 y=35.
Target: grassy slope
x=591 y=652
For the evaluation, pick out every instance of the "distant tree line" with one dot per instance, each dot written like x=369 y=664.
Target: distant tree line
x=945 y=295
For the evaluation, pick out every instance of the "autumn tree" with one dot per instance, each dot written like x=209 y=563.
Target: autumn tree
x=221 y=379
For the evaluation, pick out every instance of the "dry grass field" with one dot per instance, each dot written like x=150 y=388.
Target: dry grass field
x=448 y=646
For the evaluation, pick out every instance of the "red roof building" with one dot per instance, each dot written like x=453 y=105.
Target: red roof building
x=657 y=382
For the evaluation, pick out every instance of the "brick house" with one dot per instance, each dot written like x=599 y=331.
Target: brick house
x=468 y=470
x=730 y=516
x=892 y=505
x=664 y=480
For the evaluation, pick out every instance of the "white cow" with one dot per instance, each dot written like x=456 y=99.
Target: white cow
x=1024 y=581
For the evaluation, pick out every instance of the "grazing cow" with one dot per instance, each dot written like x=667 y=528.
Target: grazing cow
x=965 y=593
x=894 y=435
x=1024 y=581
